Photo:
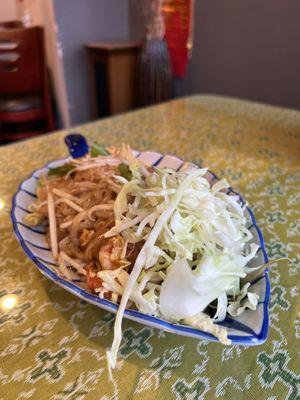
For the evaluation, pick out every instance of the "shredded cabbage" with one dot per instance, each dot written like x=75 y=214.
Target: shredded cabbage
x=195 y=252
x=244 y=300
x=214 y=276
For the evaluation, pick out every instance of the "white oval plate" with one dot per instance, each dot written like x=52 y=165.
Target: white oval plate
x=251 y=328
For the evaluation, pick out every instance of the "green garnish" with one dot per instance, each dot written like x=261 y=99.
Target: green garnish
x=61 y=170
x=98 y=150
x=125 y=171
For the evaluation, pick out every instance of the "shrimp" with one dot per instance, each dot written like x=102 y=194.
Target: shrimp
x=110 y=254
x=92 y=279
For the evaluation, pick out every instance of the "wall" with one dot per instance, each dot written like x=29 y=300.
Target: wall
x=243 y=48
x=247 y=49
x=80 y=22
x=8 y=10
x=35 y=9
x=137 y=18
x=42 y=13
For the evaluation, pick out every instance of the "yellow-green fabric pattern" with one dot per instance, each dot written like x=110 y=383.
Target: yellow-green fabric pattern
x=52 y=345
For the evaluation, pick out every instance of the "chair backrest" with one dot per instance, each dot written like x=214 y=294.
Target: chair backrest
x=11 y=24
x=22 y=60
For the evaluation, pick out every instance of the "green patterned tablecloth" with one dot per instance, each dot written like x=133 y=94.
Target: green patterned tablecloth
x=52 y=345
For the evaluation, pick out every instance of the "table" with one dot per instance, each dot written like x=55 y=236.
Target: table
x=112 y=71
x=52 y=345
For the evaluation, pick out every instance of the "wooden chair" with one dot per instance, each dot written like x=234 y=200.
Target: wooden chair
x=11 y=24
x=24 y=88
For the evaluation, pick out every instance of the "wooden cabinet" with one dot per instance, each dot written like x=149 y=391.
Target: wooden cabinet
x=112 y=68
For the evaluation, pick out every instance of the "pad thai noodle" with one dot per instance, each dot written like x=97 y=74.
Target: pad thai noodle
x=169 y=244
